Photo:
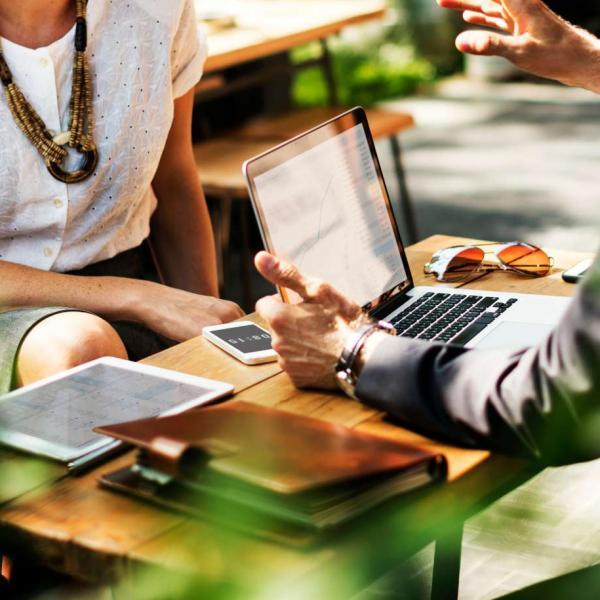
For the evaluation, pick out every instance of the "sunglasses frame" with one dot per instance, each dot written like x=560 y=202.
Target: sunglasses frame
x=429 y=268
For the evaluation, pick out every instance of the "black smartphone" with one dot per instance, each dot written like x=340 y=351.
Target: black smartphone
x=577 y=273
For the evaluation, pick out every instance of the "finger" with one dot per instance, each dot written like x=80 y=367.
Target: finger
x=276 y=298
x=491 y=8
x=488 y=7
x=282 y=273
x=311 y=290
x=524 y=7
x=475 y=18
x=460 y=5
x=268 y=305
x=484 y=43
x=273 y=311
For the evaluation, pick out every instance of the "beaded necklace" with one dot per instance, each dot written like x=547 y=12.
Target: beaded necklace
x=81 y=121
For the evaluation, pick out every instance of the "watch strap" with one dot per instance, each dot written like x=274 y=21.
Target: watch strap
x=345 y=374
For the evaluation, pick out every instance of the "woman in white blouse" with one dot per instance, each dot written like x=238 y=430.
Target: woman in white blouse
x=82 y=245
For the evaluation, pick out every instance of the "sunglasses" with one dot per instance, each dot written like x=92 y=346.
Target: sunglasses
x=461 y=262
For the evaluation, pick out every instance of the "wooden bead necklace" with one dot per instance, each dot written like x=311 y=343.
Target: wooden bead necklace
x=81 y=121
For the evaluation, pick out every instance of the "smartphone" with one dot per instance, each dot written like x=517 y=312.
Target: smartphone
x=576 y=273
x=244 y=340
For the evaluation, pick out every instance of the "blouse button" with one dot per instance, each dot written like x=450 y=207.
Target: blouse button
x=48 y=252
x=58 y=203
x=44 y=62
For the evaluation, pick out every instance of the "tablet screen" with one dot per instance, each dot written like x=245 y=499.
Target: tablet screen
x=327 y=212
x=61 y=413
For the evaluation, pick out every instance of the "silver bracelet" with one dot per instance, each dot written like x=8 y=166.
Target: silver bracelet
x=344 y=369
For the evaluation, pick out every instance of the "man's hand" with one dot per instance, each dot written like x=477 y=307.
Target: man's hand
x=533 y=38
x=309 y=337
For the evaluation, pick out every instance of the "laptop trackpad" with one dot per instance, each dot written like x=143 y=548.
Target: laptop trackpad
x=511 y=334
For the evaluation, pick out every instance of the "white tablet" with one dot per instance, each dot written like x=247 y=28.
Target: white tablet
x=55 y=417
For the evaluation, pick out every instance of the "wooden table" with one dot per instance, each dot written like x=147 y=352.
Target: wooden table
x=267 y=27
x=74 y=527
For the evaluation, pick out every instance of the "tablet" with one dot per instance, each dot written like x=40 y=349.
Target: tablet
x=321 y=203
x=55 y=417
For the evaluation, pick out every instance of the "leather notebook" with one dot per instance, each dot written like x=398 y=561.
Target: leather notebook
x=266 y=464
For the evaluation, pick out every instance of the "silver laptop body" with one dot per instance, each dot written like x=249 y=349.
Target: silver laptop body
x=321 y=203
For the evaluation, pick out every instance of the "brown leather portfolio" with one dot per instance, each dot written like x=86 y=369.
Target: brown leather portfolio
x=293 y=468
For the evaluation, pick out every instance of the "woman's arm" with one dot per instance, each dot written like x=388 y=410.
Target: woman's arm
x=109 y=297
x=176 y=314
x=182 y=234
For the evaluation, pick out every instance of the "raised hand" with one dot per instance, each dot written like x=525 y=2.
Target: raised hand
x=532 y=37
x=309 y=336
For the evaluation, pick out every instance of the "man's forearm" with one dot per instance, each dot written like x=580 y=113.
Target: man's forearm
x=535 y=402
x=583 y=69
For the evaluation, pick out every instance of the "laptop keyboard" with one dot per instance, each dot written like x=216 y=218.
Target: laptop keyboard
x=450 y=318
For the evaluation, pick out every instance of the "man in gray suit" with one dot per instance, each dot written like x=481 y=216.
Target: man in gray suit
x=543 y=401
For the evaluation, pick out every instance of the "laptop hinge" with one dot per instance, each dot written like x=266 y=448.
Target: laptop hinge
x=386 y=309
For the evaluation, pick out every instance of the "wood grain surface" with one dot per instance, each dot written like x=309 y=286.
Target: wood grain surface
x=266 y=27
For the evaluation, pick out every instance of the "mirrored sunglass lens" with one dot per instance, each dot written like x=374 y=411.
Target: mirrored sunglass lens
x=465 y=263
x=526 y=259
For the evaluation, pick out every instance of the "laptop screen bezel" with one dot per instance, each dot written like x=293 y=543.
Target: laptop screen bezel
x=280 y=154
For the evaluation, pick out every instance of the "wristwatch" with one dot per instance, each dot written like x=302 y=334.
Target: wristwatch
x=344 y=370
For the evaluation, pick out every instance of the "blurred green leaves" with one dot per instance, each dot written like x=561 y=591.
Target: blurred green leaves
x=21 y=473
x=398 y=57
x=364 y=76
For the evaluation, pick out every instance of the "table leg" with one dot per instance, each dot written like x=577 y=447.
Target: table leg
x=327 y=63
x=246 y=256
x=446 y=565
x=406 y=204
x=222 y=232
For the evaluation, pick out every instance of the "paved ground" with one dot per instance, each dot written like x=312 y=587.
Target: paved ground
x=518 y=161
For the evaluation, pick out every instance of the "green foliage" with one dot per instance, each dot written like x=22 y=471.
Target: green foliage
x=364 y=76
x=394 y=60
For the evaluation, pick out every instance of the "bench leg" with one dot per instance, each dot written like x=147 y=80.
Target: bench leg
x=327 y=65
x=247 y=260
x=222 y=230
x=406 y=204
x=446 y=565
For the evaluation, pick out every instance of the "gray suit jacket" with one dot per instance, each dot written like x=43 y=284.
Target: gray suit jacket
x=543 y=401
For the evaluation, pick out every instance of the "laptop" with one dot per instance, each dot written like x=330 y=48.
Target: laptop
x=321 y=203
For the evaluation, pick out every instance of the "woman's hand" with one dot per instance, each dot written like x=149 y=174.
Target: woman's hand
x=174 y=313
x=309 y=337
x=533 y=38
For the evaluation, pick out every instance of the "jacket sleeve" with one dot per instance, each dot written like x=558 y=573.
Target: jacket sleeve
x=543 y=402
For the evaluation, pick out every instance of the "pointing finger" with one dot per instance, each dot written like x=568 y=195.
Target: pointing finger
x=282 y=273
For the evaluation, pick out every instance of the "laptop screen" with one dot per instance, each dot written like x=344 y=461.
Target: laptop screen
x=323 y=206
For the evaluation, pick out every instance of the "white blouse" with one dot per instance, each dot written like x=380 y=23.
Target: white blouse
x=143 y=54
